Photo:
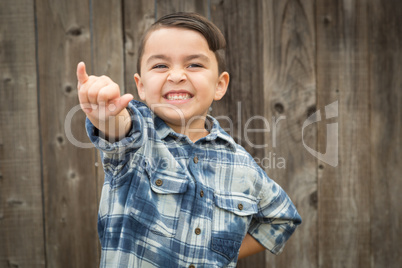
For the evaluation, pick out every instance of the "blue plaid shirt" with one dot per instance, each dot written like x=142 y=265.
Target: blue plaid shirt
x=169 y=202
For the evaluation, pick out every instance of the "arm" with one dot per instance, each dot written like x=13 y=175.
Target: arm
x=101 y=101
x=249 y=246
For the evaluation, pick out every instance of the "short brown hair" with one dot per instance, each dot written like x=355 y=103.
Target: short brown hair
x=192 y=21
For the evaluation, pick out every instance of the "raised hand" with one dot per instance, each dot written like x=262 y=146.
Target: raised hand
x=99 y=96
x=100 y=99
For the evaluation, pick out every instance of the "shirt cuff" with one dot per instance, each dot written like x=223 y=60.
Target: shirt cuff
x=134 y=139
x=275 y=223
x=272 y=236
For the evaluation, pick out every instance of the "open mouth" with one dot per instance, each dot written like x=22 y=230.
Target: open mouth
x=178 y=96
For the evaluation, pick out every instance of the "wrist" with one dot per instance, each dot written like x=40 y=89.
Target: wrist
x=115 y=127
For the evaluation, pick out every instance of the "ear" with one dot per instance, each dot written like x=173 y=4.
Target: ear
x=140 y=86
x=222 y=86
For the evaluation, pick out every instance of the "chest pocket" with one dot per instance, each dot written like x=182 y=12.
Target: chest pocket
x=158 y=199
x=232 y=215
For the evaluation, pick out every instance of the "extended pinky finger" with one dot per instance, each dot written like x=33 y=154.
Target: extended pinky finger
x=117 y=105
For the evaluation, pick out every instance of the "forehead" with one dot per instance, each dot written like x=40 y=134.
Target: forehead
x=166 y=38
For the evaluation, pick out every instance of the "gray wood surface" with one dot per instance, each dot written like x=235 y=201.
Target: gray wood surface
x=344 y=191
x=385 y=128
x=289 y=98
x=138 y=16
x=241 y=23
x=69 y=175
x=164 y=7
x=21 y=213
x=286 y=58
x=107 y=59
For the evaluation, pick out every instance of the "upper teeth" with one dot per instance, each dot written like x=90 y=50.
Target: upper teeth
x=178 y=96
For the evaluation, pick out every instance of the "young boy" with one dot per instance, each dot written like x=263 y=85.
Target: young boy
x=178 y=191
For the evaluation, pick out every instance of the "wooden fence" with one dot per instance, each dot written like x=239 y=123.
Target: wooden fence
x=288 y=59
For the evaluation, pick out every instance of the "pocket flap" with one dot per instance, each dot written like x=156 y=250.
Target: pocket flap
x=237 y=203
x=165 y=181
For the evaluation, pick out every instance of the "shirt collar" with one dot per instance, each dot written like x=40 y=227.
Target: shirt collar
x=215 y=132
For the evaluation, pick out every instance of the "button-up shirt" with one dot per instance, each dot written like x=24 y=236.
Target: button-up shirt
x=169 y=202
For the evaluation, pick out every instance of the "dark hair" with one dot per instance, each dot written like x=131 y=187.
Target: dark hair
x=192 y=21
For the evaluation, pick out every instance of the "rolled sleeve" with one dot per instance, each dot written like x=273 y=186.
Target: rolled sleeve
x=276 y=220
x=114 y=155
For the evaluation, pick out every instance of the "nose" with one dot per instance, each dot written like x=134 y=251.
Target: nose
x=177 y=75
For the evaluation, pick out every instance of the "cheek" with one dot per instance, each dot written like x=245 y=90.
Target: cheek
x=204 y=82
x=153 y=84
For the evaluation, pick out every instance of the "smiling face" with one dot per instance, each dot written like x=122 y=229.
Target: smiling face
x=179 y=77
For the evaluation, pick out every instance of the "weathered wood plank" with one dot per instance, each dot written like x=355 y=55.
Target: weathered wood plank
x=70 y=197
x=108 y=59
x=165 y=7
x=107 y=40
x=21 y=211
x=386 y=118
x=138 y=16
x=240 y=22
x=290 y=97
x=344 y=190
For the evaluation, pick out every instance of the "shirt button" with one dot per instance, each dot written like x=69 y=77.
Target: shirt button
x=197 y=231
x=191 y=266
x=240 y=206
x=158 y=182
x=202 y=193
x=195 y=159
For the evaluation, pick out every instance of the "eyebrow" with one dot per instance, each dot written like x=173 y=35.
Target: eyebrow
x=187 y=58
x=197 y=56
x=157 y=57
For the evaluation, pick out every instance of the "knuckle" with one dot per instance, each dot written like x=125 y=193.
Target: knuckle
x=115 y=87
x=105 y=78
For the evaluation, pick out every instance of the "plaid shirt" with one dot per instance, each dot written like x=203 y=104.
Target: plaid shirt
x=169 y=202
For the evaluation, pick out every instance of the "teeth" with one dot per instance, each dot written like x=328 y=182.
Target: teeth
x=179 y=96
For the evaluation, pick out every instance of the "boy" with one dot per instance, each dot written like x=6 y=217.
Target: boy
x=178 y=191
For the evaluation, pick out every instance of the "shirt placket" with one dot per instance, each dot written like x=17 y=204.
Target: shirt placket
x=199 y=232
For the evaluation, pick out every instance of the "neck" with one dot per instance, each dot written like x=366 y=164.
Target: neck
x=194 y=130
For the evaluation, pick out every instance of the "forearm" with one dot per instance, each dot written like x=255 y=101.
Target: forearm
x=249 y=246
x=116 y=127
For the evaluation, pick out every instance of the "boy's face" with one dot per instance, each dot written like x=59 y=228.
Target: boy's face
x=179 y=76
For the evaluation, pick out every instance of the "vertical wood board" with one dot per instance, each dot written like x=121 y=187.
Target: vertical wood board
x=386 y=118
x=342 y=76
x=243 y=104
x=21 y=212
x=108 y=59
x=164 y=7
x=290 y=97
x=69 y=171
x=138 y=16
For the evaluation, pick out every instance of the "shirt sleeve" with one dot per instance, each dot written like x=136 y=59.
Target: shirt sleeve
x=277 y=217
x=113 y=154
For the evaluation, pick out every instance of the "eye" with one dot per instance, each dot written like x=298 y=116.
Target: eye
x=159 y=66
x=195 y=65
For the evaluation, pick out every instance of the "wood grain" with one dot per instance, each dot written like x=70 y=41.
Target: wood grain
x=290 y=97
x=165 y=7
x=70 y=196
x=240 y=22
x=344 y=190
x=138 y=16
x=386 y=118
x=21 y=212
x=286 y=58
x=108 y=59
